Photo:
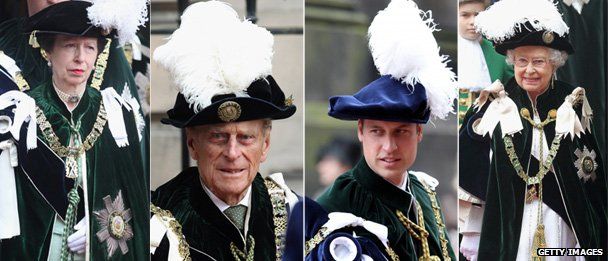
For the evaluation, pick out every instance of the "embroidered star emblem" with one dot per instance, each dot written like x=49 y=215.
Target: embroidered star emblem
x=586 y=164
x=114 y=222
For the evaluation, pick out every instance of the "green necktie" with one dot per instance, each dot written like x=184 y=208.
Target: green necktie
x=236 y=214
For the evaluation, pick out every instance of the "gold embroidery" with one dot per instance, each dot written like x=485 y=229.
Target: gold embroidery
x=279 y=212
x=171 y=223
x=100 y=66
x=440 y=225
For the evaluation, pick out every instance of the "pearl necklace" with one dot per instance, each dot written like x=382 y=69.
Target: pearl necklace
x=68 y=98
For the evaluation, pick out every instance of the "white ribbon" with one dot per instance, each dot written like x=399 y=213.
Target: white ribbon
x=9 y=216
x=338 y=220
x=134 y=104
x=25 y=111
x=290 y=197
x=114 y=103
x=9 y=64
x=158 y=228
x=567 y=121
x=502 y=109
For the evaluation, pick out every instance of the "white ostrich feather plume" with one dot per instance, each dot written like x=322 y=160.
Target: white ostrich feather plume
x=214 y=52
x=403 y=46
x=507 y=17
x=124 y=16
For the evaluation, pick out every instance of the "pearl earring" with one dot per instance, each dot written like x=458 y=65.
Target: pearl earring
x=48 y=63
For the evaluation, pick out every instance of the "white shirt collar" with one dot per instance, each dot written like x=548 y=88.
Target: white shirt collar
x=403 y=185
x=221 y=205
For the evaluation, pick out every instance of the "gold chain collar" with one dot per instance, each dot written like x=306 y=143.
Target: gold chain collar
x=63 y=151
x=421 y=234
x=171 y=223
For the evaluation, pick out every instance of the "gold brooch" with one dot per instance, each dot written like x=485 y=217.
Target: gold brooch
x=548 y=37
x=289 y=100
x=229 y=111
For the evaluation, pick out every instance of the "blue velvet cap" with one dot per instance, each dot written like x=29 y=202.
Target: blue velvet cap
x=384 y=99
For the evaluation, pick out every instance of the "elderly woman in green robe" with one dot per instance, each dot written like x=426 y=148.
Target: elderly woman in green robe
x=545 y=185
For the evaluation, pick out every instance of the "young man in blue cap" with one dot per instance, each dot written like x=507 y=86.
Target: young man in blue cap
x=222 y=209
x=414 y=85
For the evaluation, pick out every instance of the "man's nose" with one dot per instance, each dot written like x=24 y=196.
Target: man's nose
x=232 y=151
x=389 y=144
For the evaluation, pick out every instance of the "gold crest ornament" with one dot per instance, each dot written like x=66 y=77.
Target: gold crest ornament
x=229 y=111
x=548 y=37
x=586 y=164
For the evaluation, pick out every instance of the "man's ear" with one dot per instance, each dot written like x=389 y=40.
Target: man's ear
x=191 y=142
x=360 y=130
x=419 y=132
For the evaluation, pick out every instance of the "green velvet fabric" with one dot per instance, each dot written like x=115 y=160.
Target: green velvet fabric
x=583 y=205
x=110 y=169
x=587 y=67
x=498 y=67
x=206 y=229
x=364 y=193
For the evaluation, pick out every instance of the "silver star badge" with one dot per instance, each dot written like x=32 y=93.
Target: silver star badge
x=114 y=222
x=586 y=164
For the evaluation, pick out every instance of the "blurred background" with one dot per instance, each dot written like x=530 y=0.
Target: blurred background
x=339 y=62
x=284 y=19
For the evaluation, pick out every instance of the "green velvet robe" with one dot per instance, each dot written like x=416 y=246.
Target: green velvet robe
x=364 y=193
x=15 y=43
x=580 y=204
x=205 y=228
x=109 y=169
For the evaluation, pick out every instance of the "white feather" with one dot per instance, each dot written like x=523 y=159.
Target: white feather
x=214 y=52
x=403 y=46
x=124 y=16
x=506 y=17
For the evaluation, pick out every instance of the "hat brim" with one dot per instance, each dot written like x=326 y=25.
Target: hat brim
x=534 y=39
x=250 y=109
x=384 y=99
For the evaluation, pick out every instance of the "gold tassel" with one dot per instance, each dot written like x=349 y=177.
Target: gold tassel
x=100 y=66
x=538 y=242
x=33 y=40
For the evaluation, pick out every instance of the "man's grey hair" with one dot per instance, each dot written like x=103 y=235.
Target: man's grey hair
x=556 y=57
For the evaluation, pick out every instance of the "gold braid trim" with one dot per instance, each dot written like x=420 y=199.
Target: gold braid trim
x=439 y=221
x=279 y=212
x=171 y=223
x=240 y=255
x=100 y=66
x=63 y=151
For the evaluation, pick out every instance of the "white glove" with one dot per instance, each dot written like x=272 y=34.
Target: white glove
x=469 y=246
x=77 y=242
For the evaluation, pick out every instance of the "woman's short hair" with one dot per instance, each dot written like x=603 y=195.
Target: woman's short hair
x=556 y=57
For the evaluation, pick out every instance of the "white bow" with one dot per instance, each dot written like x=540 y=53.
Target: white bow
x=25 y=111
x=502 y=109
x=338 y=220
x=113 y=104
x=567 y=121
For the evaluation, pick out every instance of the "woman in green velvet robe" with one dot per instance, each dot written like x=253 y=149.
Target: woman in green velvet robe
x=99 y=208
x=546 y=185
